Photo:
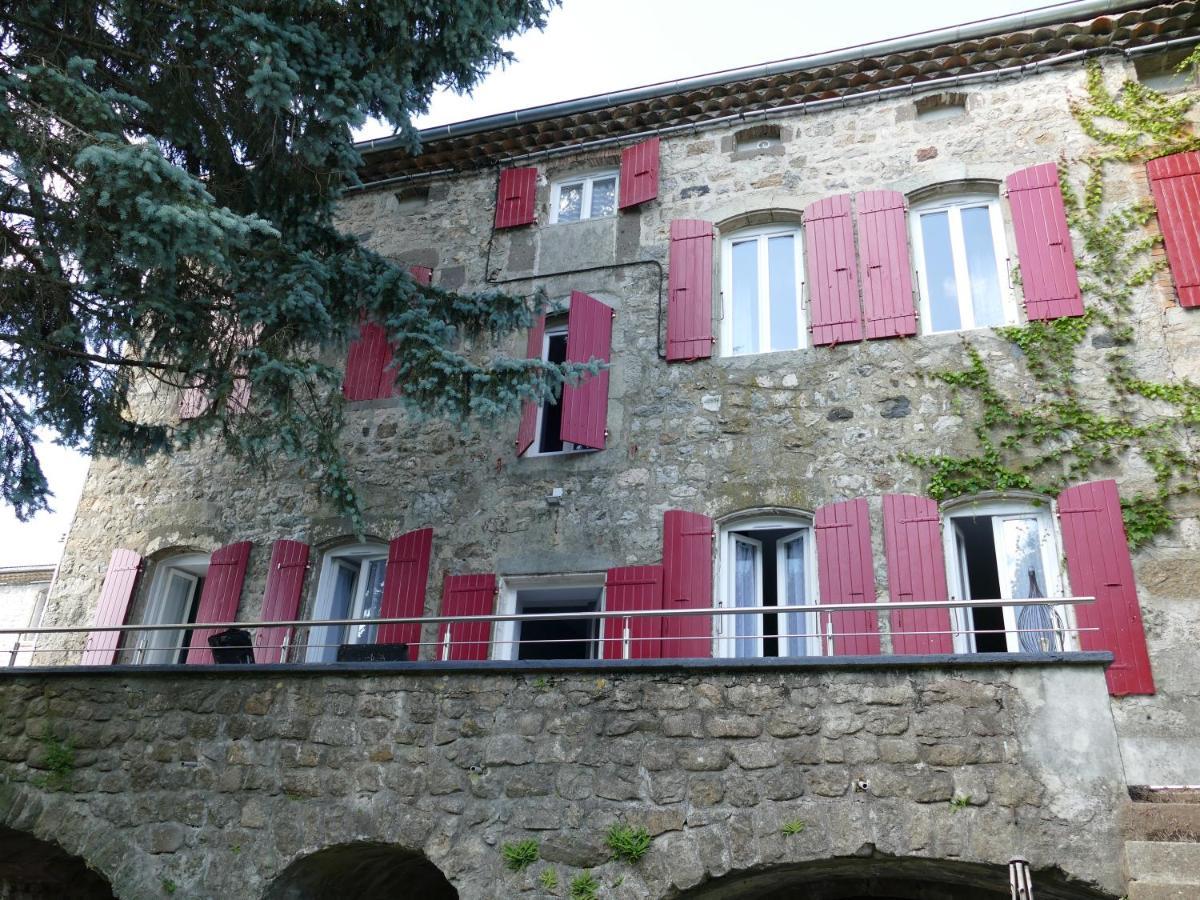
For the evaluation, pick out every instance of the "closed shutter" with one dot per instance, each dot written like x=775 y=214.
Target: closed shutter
x=527 y=431
x=916 y=566
x=689 y=291
x=1048 y=276
x=421 y=274
x=834 y=317
x=193 y=403
x=1175 y=183
x=639 y=173
x=1099 y=565
x=369 y=355
x=687 y=583
x=515 y=197
x=115 y=595
x=845 y=574
x=884 y=263
x=281 y=599
x=633 y=588
x=467 y=595
x=585 y=405
x=404 y=588
x=220 y=597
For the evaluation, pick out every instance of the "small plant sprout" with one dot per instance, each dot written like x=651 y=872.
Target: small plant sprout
x=549 y=879
x=584 y=886
x=520 y=855
x=628 y=843
x=960 y=801
x=795 y=826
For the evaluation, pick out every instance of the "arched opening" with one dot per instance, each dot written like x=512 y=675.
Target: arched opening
x=34 y=869
x=365 y=871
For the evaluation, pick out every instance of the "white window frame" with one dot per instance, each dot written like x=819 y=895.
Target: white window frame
x=162 y=647
x=953 y=207
x=586 y=179
x=534 y=449
x=504 y=634
x=761 y=235
x=324 y=639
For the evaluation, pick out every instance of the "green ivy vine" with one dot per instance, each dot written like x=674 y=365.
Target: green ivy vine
x=1056 y=432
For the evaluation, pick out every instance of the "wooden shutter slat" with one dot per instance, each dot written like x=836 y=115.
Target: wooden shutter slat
x=120 y=580
x=834 y=316
x=527 y=430
x=689 y=291
x=633 y=588
x=281 y=598
x=639 y=173
x=1099 y=566
x=1175 y=184
x=404 y=586
x=884 y=265
x=687 y=583
x=467 y=595
x=846 y=574
x=515 y=197
x=368 y=356
x=421 y=274
x=916 y=567
x=220 y=597
x=585 y=405
x=1048 y=277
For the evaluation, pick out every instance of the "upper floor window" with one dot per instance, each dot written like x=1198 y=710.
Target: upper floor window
x=350 y=587
x=547 y=434
x=960 y=257
x=173 y=599
x=584 y=197
x=762 y=273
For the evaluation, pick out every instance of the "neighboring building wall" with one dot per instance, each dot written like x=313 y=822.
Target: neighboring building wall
x=23 y=591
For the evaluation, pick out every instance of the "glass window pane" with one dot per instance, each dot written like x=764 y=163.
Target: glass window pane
x=939 y=272
x=372 y=602
x=604 y=197
x=981 y=266
x=1022 y=575
x=745 y=593
x=570 y=202
x=792 y=584
x=781 y=272
x=745 y=297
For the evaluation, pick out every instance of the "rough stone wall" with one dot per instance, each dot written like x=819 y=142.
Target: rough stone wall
x=216 y=782
x=794 y=429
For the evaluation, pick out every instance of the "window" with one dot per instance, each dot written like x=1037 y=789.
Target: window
x=350 y=587
x=551 y=638
x=1006 y=551
x=173 y=599
x=585 y=197
x=762 y=273
x=961 y=264
x=547 y=434
x=767 y=562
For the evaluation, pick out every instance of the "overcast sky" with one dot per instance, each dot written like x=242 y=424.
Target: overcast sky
x=592 y=47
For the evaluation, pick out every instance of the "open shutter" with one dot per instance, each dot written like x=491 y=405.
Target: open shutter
x=585 y=405
x=832 y=282
x=193 y=403
x=369 y=354
x=639 y=173
x=421 y=274
x=689 y=291
x=117 y=591
x=1099 y=566
x=884 y=262
x=281 y=599
x=404 y=587
x=1048 y=276
x=527 y=431
x=687 y=583
x=916 y=566
x=467 y=595
x=845 y=574
x=220 y=596
x=1175 y=183
x=515 y=197
x=633 y=588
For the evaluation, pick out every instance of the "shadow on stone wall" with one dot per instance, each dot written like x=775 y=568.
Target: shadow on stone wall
x=33 y=869
x=365 y=871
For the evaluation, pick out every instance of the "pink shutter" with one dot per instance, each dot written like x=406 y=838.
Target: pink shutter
x=527 y=430
x=1099 y=565
x=639 y=173
x=404 y=587
x=585 y=405
x=119 y=583
x=281 y=599
x=689 y=291
x=1175 y=183
x=220 y=597
x=369 y=354
x=1048 y=276
x=515 y=197
x=633 y=588
x=193 y=403
x=916 y=566
x=884 y=265
x=687 y=583
x=421 y=274
x=845 y=574
x=832 y=282
x=467 y=595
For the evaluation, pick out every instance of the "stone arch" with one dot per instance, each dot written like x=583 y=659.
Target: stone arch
x=363 y=870
x=33 y=869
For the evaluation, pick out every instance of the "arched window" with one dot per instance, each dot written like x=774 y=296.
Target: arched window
x=762 y=271
x=350 y=587
x=173 y=599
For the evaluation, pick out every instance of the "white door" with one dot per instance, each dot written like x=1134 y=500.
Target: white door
x=1025 y=560
x=798 y=631
x=172 y=606
x=743 y=633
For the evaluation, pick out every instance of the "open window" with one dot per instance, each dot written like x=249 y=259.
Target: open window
x=591 y=196
x=350 y=587
x=174 y=599
x=762 y=271
x=577 y=638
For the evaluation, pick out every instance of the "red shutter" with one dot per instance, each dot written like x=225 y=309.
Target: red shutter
x=193 y=403
x=404 y=587
x=220 y=596
x=639 y=173
x=884 y=264
x=585 y=405
x=369 y=354
x=845 y=574
x=1099 y=565
x=633 y=588
x=119 y=582
x=527 y=431
x=1175 y=183
x=515 y=197
x=1048 y=276
x=916 y=566
x=832 y=282
x=467 y=595
x=421 y=274
x=281 y=599
x=687 y=583
x=689 y=291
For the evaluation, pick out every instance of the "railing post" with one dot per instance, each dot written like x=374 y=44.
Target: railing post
x=446 y=642
x=626 y=643
x=1020 y=879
